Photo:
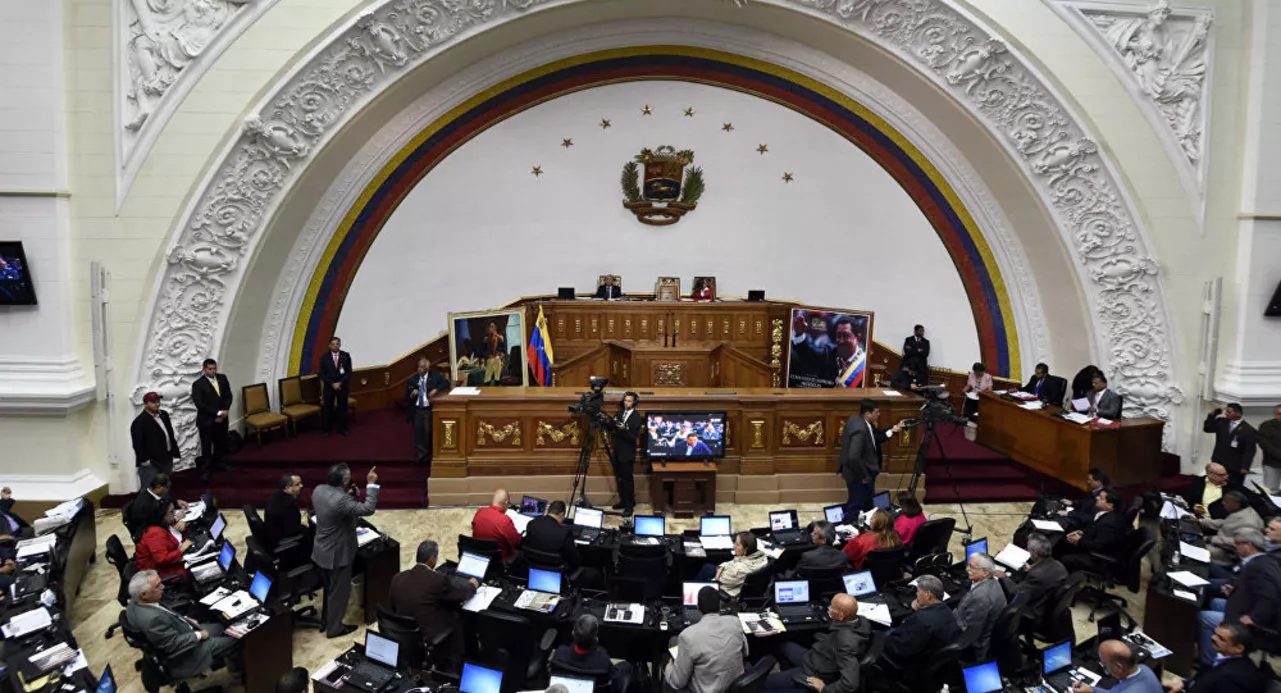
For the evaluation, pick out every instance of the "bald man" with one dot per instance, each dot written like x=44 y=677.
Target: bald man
x=1131 y=677
x=831 y=665
x=1205 y=493
x=491 y=522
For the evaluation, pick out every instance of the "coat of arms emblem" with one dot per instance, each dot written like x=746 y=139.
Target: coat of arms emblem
x=666 y=189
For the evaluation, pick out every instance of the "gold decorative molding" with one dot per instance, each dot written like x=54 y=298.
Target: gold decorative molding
x=451 y=441
x=498 y=434
x=758 y=433
x=669 y=375
x=776 y=351
x=569 y=431
x=727 y=444
x=814 y=430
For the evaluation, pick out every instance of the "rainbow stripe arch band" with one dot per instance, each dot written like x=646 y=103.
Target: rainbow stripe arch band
x=980 y=275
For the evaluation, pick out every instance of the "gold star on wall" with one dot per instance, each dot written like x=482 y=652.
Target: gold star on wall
x=689 y=112
x=537 y=171
x=762 y=149
x=787 y=177
x=567 y=143
x=604 y=123
x=646 y=110
x=728 y=127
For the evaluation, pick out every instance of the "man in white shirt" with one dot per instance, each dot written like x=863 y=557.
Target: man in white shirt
x=420 y=390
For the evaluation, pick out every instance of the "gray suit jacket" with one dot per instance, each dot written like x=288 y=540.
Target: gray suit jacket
x=709 y=655
x=979 y=608
x=1223 y=548
x=1108 y=406
x=173 y=637
x=860 y=456
x=336 y=513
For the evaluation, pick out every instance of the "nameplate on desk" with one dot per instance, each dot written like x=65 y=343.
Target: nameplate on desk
x=720 y=394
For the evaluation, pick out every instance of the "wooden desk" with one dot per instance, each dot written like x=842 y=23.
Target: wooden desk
x=268 y=652
x=1129 y=454
x=685 y=489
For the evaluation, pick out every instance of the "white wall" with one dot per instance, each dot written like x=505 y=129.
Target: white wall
x=481 y=225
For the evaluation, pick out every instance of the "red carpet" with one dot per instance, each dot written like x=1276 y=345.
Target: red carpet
x=971 y=473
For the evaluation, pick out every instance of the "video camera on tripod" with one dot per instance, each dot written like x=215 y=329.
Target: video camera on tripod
x=591 y=404
x=936 y=410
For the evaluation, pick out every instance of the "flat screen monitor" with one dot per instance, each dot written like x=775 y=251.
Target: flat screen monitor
x=650 y=526
x=588 y=517
x=107 y=683
x=1056 y=657
x=696 y=435
x=714 y=526
x=215 y=530
x=544 y=581
x=882 y=500
x=385 y=651
x=834 y=514
x=860 y=584
x=479 y=679
x=260 y=587
x=573 y=685
x=532 y=506
x=976 y=546
x=984 y=678
x=565 y=293
x=689 y=591
x=16 y=286
x=792 y=592
x=473 y=565
x=782 y=519
x=226 y=556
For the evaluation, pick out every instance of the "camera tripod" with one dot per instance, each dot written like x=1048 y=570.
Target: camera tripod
x=595 y=430
x=918 y=469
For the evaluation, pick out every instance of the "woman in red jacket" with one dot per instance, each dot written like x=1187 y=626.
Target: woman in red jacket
x=911 y=519
x=881 y=536
x=161 y=546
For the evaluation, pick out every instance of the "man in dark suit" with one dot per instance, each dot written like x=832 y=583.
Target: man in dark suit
x=10 y=523
x=930 y=626
x=282 y=518
x=609 y=289
x=812 y=362
x=627 y=428
x=1252 y=599
x=187 y=648
x=420 y=391
x=211 y=393
x=334 y=374
x=916 y=351
x=433 y=599
x=154 y=445
x=1080 y=513
x=1204 y=494
x=1041 y=580
x=1105 y=535
x=548 y=534
x=334 y=548
x=1050 y=389
x=824 y=556
x=1232 y=670
x=584 y=654
x=148 y=506
x=1104 y=403
x=859 y=461
x=908 y=378
x=1234 y=440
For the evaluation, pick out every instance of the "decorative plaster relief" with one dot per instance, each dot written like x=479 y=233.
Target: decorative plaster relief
x=1164 y=57
x=206 y=262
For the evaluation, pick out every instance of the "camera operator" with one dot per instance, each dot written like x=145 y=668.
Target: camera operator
x=627 y=428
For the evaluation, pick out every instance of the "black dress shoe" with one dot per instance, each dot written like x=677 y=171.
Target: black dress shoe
x=618 y=506
x=627 y=512
x=347 y=629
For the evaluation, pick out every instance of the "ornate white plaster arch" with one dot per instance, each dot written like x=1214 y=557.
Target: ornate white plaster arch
x=217 y=233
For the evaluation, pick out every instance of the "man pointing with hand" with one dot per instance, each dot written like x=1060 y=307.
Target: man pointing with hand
x=335 y=545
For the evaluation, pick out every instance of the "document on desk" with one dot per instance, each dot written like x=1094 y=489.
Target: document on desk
x=465 y=391
x=533 y=600
x=761 y=624
x=67 y=509
x=1170 y=511
x=1188 y=579
x=1196 y=553
x=769 y=549
x=694 y=549
x=879 y=613
x=1082 y=404
x=891 y=393
x=485 y=595
x=1048 y=525
x=521 y=521
x=1183 y=594
x=625 y=613
x=1032 y=406
x=215 y=596
x=1078 y=418
x=37 y=546
x=972 y=395
x=29 y=622
x=1012 y=557
x=238 y=603
x=364 y=535
x=52 y=657
x=192 y=511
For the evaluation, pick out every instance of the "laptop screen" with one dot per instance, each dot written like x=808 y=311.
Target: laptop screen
x=976 y=546
x=107 y=684
x=215 y=530
x=984 y=678
x=1056 y=657
x=834 y=514
x=478 y=679
x=792 y=592
x=532 y=506
x=573 y=685
x=588 y=517
x=473 y=565
x=226 y=556
x=650 y=526
x=860 y=584
x=689 y=591
x=882 y=500
x=782 y=519
x=382 y=650
x=716 y=525
x=260 y=587
x=544 y=581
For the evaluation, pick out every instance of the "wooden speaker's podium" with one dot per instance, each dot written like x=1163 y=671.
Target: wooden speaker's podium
x=684 y=489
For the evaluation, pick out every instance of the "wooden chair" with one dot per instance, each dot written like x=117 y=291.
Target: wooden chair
x=292 y=404
x=258 y=413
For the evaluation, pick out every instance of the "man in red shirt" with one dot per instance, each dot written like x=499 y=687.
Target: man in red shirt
x=491 y=522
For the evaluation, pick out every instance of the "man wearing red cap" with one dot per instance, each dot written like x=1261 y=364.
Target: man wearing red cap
x=154 y=445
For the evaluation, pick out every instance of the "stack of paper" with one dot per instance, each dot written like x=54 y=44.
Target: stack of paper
x=236 y=604
x=1048 y=525
x=215 y=596
x=29 y=622
x=465 y=391
x=44 y=525
x=1078 y=418
x=1032 y=406
x=1195 y=553
x=1188 y=579
x=53 y=656
x=972 y=395
x=521 y=521
x=1025 y=396
x=1170 y=511
x=761 y=624
x=192 y=512
x=364 y=535
x=67 y=509
x=879 y=613
x=1012 y=557
x=37 y=546
x=485 y=595
x=891 y=393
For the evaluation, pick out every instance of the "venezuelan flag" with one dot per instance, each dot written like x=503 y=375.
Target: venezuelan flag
x=540 y=351
x=853 y=375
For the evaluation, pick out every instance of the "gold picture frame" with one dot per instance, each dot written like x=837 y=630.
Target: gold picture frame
x=667 y=289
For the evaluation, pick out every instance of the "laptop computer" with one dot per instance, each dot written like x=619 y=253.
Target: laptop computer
x=473 y=565
x=976 y=546
x=200 y=540
x=107 y=682
x=834 y=514
x=587 y=523
x=689 y=599
x=650 y=526
x=860 y=584
x=573 y=685
x=208 y=572
x=1056 y=660
x=480 y=679
x=984 y=678
x=260 y=587
x=532 y=506
x=882 y=501
x=378 y=666
x=714 y=533
x=785 y=528
x=544 y=581
x=792 y=600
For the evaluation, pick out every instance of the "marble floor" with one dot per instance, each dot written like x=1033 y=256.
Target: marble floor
x=96 y=607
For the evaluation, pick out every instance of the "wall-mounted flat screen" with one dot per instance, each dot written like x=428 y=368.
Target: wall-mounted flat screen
x=16 y=286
